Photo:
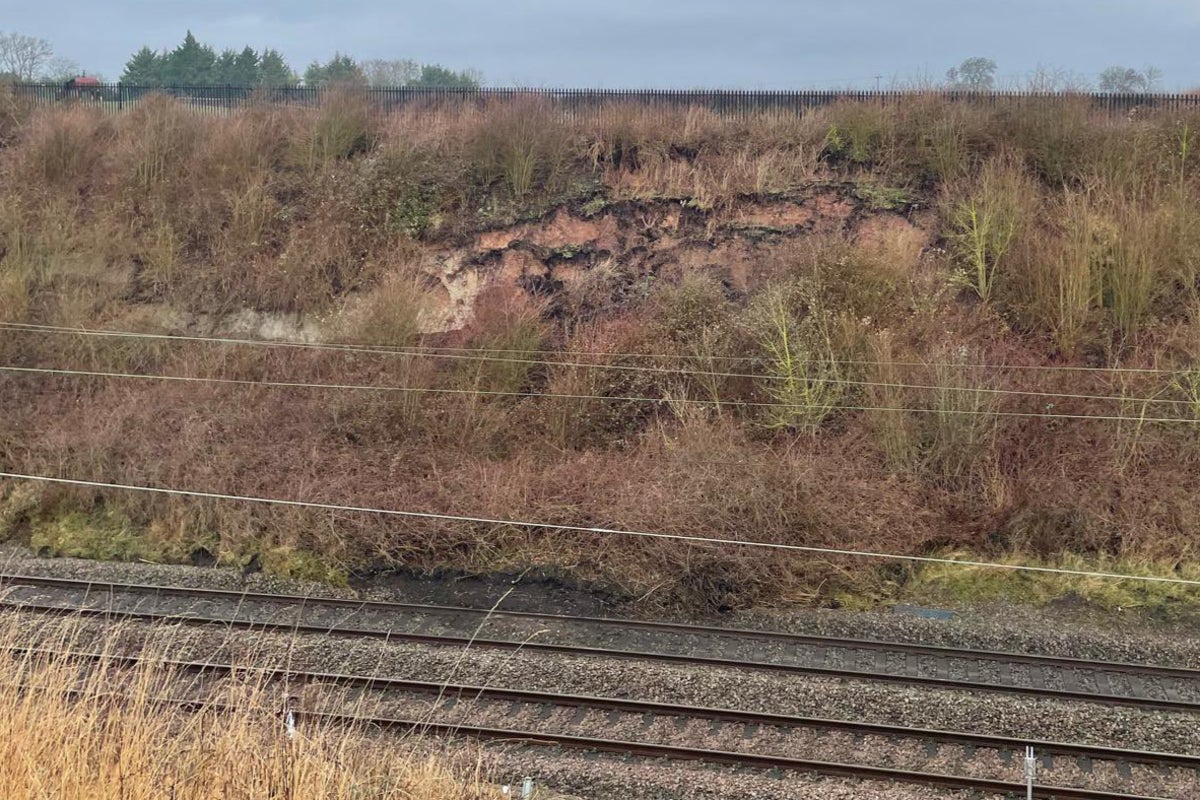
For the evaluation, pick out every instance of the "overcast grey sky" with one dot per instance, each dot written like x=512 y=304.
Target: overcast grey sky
x=647 y=43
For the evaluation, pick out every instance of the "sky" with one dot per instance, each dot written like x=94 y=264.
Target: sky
x=752 y=44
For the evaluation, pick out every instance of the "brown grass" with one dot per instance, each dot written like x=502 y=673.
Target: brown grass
x=72 y=727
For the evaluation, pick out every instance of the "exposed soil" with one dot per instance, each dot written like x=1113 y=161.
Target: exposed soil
x=524 y=592
x=651 y=238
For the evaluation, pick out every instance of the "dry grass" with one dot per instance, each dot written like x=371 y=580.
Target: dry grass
x=73 y=727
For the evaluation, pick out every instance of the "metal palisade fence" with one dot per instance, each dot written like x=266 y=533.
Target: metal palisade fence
x=573 y=102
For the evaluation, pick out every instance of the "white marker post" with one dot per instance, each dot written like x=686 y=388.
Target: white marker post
x=1030 y=772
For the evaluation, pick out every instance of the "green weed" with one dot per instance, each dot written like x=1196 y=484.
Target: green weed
x=794 y=334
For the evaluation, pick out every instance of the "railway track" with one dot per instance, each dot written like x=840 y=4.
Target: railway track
x=1147 y=686
x=654 y=730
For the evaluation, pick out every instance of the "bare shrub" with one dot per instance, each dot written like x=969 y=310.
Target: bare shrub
x=156 y=139
x=986 y=217
x=522 y=145
x=795 y=335
x=960 y=424
x=344 y=126
x=68 y=147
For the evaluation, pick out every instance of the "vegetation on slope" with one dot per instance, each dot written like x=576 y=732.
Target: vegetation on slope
x=814 y=384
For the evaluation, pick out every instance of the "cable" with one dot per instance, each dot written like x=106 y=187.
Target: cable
x=418 y=349
x=556 y=396
x=614 y=367
x=585 y=529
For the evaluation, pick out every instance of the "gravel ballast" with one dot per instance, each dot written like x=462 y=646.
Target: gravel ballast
x=1018 y=717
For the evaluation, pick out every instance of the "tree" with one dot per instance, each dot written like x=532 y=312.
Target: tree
x=1125 y=80
x=1056 y=80
x=225 y=67
x=24 y=56
x=59 y=70
x=245 y=68
x=435 y=75
x=273 y=70
x=145 y=68
x=196 y=64
x=396 y=72
x=338 y=70
x=190 y=64
x=975 y=74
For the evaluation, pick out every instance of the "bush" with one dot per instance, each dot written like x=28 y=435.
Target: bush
x=69 y=147
x=804 y=376
x=342 y=128
x=986 y=218
x=522 y=146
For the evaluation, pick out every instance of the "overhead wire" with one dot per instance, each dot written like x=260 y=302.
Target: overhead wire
x=563 y=396
x=613 y=367
x=442 y=349
x=693 y=539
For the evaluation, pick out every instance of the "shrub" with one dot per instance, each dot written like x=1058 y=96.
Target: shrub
x=521 y=145
x=694 y=320
x=856 y=133
x=985 y=219
x=960 y=424
x=12 y=114
x=67 y=148
x=803 y=374
x=343 y=127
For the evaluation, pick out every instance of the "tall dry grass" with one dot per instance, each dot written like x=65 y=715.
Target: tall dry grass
x=95 y=729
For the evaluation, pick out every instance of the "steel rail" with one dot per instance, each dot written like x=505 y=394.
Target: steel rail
x=1153 y=670
x=646 y=749
x=605 y=653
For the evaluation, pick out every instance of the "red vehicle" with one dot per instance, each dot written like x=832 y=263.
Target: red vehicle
x=83 y=86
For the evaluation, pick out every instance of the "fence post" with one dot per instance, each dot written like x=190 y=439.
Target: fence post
x=120 y=96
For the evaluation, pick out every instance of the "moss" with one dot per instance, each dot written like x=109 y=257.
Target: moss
x=290 y=562
x=105 y=535
x=884 y=198
x=974 y=585
x=567 y=251
x=594 y=206
x=414 y=212
x=18 y=502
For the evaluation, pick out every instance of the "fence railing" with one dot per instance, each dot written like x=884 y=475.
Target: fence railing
x=223 y=99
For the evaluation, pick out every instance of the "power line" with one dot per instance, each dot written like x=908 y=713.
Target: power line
x=616 y=367
x=558 y=396
x=418 y=349
x=585 y=529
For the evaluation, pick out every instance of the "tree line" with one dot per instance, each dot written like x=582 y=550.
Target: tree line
x=979 y=74
x=195 y=64
x=28 y=58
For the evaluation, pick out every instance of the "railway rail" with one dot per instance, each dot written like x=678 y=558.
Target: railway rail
x=467 y=699
x=1148 y=686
